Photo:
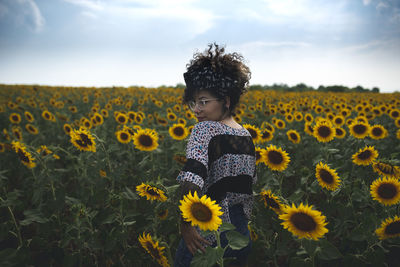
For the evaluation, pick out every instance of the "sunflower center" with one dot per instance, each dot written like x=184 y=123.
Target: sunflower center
x=293 y=136
x=152 y=192
x=145 y=140
x=23 y=156
x=15 y=118
x=324 y=131
x=266 y=134
x=387 y=191
x=360 y=129
x=201 y=212
x=393 y=228
x=326 y=176
x=377 y=132
x=365 y=155
x=121 y=119
x=271 y=202
x=85 y=140
x=338 y=121
x=178 y=131
x=275 y=157
x=303 y=222
x=252 y=133
x=124 y=136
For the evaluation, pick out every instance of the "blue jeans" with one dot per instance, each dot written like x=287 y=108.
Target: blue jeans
x=183 y=257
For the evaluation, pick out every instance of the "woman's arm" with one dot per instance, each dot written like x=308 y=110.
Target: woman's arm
x=192 y=238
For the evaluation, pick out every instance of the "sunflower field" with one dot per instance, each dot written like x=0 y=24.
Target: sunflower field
x=88 y=176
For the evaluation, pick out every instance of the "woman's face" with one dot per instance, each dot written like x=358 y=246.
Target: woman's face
x=213 y=110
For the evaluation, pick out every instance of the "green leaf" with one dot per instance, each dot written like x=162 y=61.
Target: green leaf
x=129 y=223
x=226 y=227
x=310 y=246
x=207 y=259
x=128 y=194
x=236 y=240
x=33 y=216
x=327 y=251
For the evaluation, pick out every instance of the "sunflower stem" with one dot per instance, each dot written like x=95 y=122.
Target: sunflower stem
x=15 y=223
x=221 y=260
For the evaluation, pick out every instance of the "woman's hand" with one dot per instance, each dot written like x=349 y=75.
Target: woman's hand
x=193 y=239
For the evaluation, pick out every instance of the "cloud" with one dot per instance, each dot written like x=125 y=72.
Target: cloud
x=22 y=12
x=90 y=4
x=188 y=17
x=366 y=2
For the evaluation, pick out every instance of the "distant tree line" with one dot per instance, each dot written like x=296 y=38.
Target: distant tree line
x=301 y=87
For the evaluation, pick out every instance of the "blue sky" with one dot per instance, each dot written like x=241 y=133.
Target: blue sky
x=149 y=42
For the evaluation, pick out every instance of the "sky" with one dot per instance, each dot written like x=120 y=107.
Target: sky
x=149 y=42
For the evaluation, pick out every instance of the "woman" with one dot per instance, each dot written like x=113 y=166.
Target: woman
x=220 y=152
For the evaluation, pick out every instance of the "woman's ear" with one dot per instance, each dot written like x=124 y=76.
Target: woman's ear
x=227 y=102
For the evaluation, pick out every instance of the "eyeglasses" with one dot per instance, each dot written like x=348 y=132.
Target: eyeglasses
x=200 y=103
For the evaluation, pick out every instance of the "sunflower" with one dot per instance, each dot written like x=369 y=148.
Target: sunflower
x=259 y=153
x=121 y=118
x=340 y=133
x=327 y=177
x=293 y=136
x=31 y=129
x=47 y=115
x=104 y=113
x=271 y=201
x=275 y=158
x=386 y=190
x=171 y=116
x=123 y=136
x=254 y=132
x=103 y=173
x=29 y=117
x=15 y=118
x=304 y=222
x=298 y=116
x=377 y=132
x=266 y=135
x=365 y=156
x=386 y=169
x=359 y=129
x=253 y=234
x=25 y=157
x=98 y=118
x=268 y=126
x=202 y=212
x=44 y=151
x=178 y=131
x=181 y=159
x=394 y=113
x=308 y=128
x=67 y=128
x=338 y=120
x=389 y=228
x=83 y=140
x=151 y=192
x=308 y=118
x=2 y=147
x=280 y=124
x=154 y=249
x=17 y=132
x=323 y=131
x=162 y=121
x=162 y=214
x=145 y=139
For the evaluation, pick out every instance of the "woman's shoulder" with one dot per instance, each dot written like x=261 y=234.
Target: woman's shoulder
x=207 y=128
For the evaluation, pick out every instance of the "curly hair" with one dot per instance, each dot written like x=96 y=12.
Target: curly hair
x=218 y=73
